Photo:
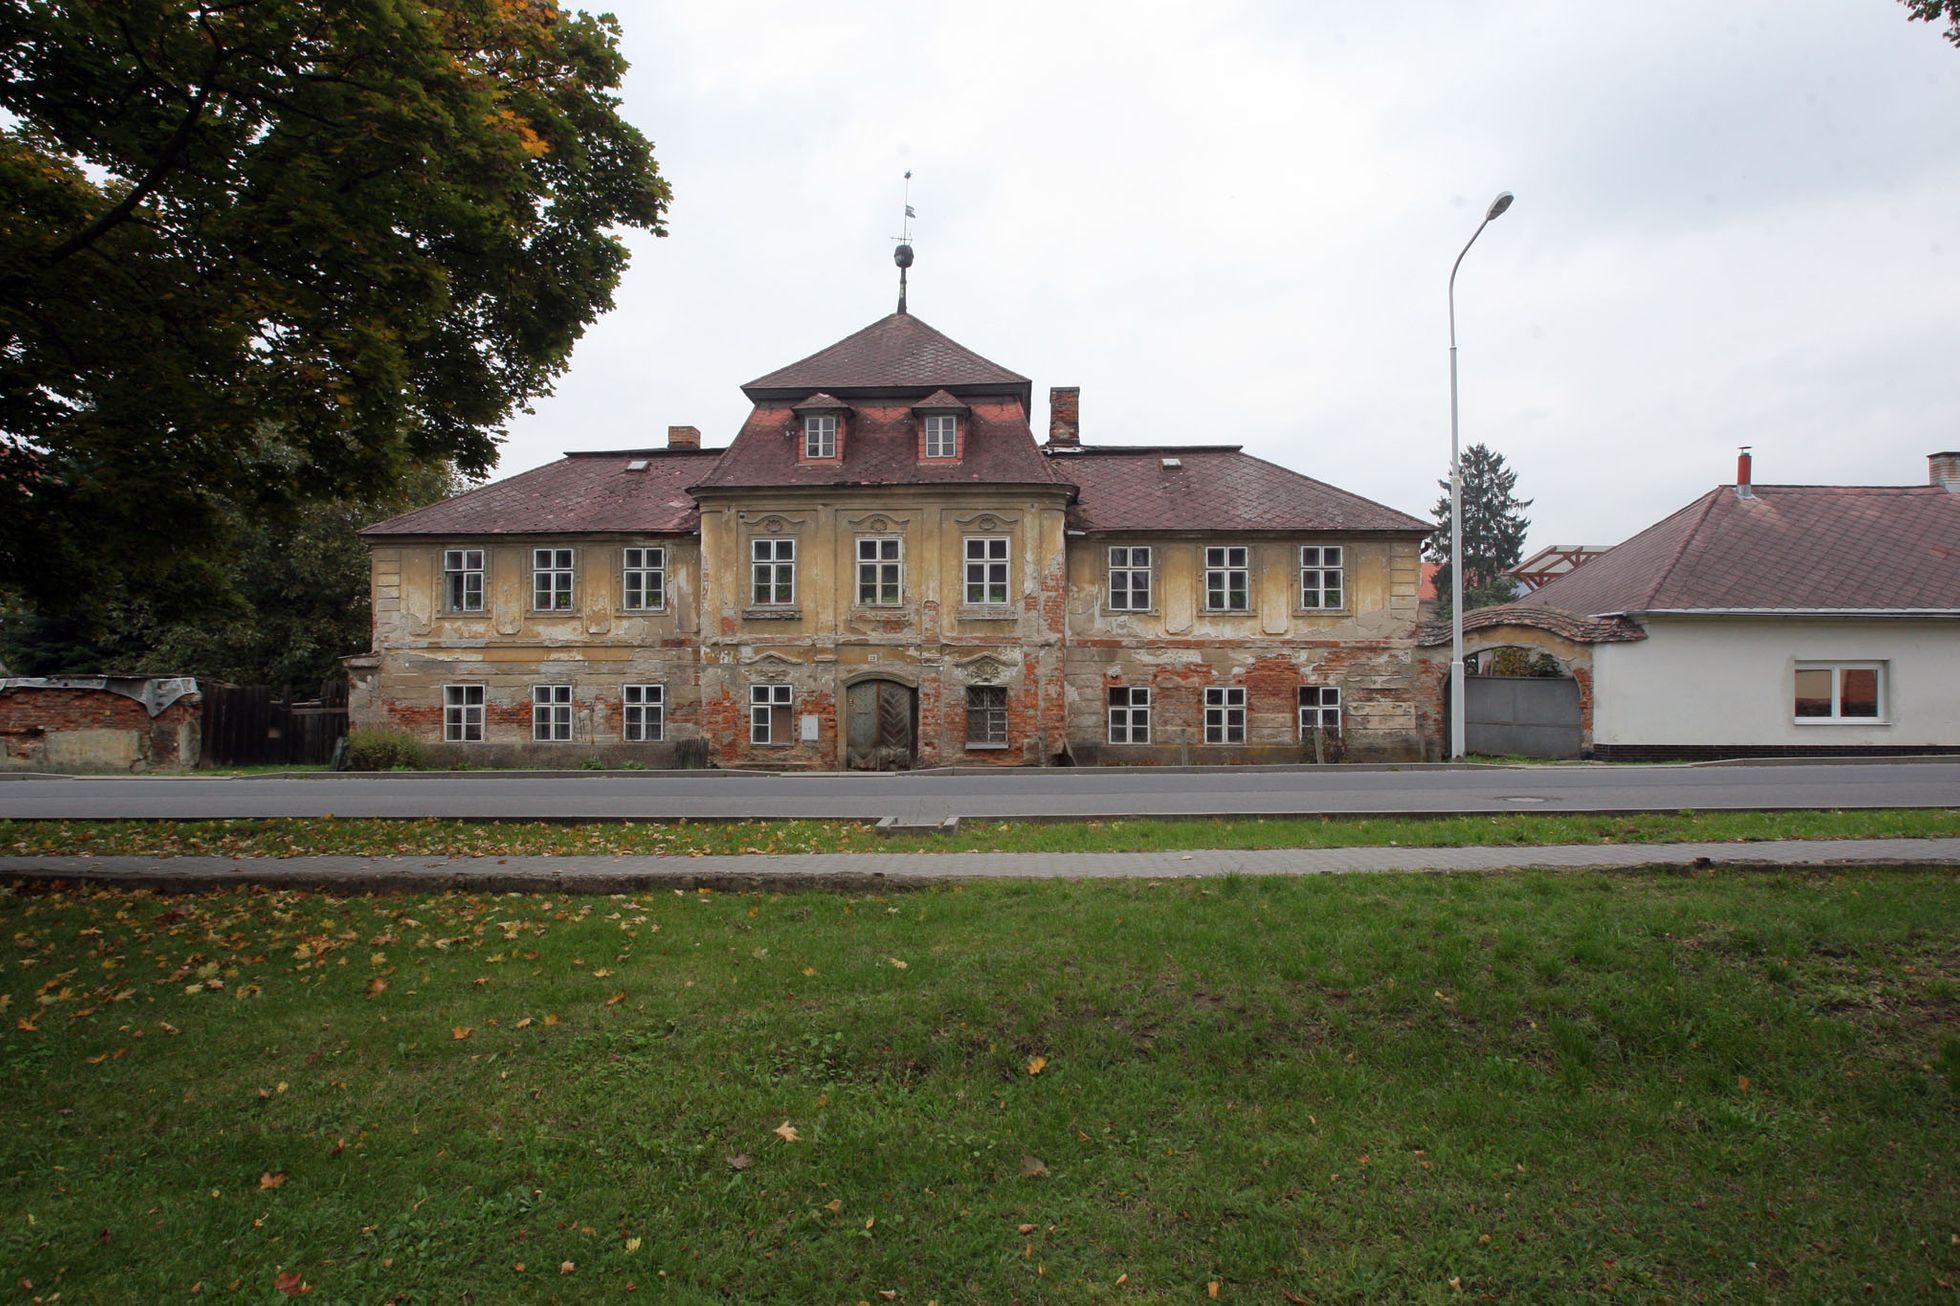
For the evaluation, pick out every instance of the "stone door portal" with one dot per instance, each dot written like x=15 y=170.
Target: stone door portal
x=881 y=726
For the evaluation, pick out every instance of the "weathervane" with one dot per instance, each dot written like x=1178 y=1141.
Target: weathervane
x=903 y=254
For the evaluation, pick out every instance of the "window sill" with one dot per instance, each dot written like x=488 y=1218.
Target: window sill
x=640 y=612
x=1130 y=612
x=882 y=611
x=1323 y=612
x=988 y=612
x=1226 y=612
x=984 y=748
x=1839 y=721
x=766 y=744
x=786 y=613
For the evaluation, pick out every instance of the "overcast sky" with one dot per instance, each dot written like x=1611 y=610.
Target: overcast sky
x=1234 y=223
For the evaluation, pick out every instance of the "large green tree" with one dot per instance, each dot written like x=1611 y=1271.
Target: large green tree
x=256 y=254
x=1493 y=531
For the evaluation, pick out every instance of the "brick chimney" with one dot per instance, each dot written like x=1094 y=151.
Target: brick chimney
x=1943 y=470
x=683 y=437
x=1742 y=472
x=1064 y=414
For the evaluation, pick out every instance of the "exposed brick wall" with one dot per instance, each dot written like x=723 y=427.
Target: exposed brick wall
x=93 y=729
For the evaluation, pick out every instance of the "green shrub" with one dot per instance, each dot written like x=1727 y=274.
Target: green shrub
x=378 y=749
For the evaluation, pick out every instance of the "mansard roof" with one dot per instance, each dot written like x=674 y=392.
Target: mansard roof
x=1211 y=488
x=898 y=354
x=581 y=493
x=880 y=446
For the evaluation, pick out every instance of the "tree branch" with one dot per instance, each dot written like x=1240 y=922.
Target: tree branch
x=172 y=149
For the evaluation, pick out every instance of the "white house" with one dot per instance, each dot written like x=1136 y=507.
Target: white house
x=1779 y=619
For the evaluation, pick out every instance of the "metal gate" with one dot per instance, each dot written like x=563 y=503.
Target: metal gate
x=1523 y=716
x=881 y=718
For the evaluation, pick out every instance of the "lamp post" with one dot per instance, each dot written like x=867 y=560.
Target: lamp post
x=1497 y=207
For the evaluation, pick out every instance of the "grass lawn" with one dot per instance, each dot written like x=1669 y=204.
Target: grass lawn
x=287 y=837
x=1515 y=1088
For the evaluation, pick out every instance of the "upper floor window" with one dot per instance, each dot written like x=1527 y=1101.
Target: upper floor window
x=551 y=713
x=551 y=579
x=643 y=586
x=820 y=435
x=645 y=713
x=462 y=714
x=1320 y=577
x=1129 y=578
x=462 y=580
x=942 y=436
x=881 y=568
x=1840 y=691
x=986 y=569
x=1228 y=585
x=1320 y=709
x=1129 y=715
x=1225 y=715
x=774 y=572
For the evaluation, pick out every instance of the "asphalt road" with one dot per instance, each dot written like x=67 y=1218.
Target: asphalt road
x=931 y=796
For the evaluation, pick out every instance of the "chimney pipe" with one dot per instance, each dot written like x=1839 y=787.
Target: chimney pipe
x=1742 y=469
x=1064 y=415
x=683 y=437
x=1943 y=470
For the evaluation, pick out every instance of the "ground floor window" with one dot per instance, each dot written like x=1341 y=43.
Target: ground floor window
x=1320 y=709
x=986 y=714
x=1840 y=691
x=1129 y=715
x=769 y=708
x=1225 y=716
x=462 y=714
x=551 y=713
x=646 y=713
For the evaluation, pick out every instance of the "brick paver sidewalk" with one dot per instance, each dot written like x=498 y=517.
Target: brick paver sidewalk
x=862 y=870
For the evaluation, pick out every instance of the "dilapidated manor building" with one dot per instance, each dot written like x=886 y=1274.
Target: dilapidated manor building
x=885 y=569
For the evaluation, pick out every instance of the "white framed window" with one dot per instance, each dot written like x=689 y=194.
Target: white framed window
x=820 y=435
x=462 y=714
x=551 y=580
x=1851 y=692
x=1228 y=585
x=773 y=563
x=942 y=436
x=1321 y=577
x=1129 y=715
x=1225 y=715
x=645 y=712
x=1129 y=578
x=881 y=570
x=551 y=713
x=769 y=708
x=1320 y=709
x=643 y=579
x=462 y=580
x=986 y=569
x=986 y=715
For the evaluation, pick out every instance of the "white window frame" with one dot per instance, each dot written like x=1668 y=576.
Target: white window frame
x=554 y=579
x=462 y=712
x=459 y=568
x=1225 y=715
x=885 y=568
x=990 y=718
x=820 y=437
x=1129 y=563
x=1222 y=563
x=645 y=564
x=1324 y=709
x=942 y=436
x=643 y=713
x=1130 y=718
x=1880 y=670
x=989 y=564
x=771 y=559
x=1323 y=577
x=551 y=714
x=765 y=700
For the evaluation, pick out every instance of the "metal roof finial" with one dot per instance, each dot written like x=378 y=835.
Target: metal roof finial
x=903 y=254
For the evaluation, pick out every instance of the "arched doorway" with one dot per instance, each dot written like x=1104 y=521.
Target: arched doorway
x=881 y=726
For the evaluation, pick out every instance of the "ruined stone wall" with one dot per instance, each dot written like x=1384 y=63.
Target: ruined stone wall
x=83 y=730
x=1433 y=678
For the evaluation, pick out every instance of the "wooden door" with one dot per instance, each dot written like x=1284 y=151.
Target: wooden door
x=878 y=728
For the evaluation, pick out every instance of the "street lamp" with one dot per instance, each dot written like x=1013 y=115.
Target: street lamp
x=1497 y=207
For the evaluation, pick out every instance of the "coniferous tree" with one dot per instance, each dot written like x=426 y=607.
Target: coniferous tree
x=1494 y=526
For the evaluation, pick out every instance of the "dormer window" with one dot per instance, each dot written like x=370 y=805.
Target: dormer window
x=820 y=436
x=942 y=436
x=941 y=417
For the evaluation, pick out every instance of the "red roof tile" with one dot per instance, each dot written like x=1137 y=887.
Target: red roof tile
x=1787 y=548
x=578 y=494
x=1578 y=629
x=896 y=353
x=1216 y=488
x=881 y=447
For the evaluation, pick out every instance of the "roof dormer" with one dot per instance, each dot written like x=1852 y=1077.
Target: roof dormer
x=822 y=424
x=943 y=427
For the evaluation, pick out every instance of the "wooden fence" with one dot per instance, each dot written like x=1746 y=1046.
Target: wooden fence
x=255 y=725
